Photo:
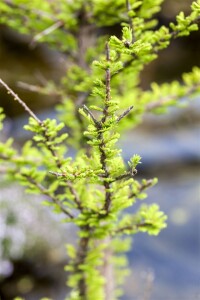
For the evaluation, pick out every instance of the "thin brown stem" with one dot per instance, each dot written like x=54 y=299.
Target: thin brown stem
x=31 y=113
x=92 y=116
x=125 y=113
x=50 y=148
x=100 y=135
x=82 y=252
x=77 y=199
x=45 y=32
x=129 y=174
x=45 y=192
x=133 y=227
x=141 y=188
x=175 y=33
x=20 y=101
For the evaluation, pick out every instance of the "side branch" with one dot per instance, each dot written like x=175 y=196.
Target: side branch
x=133 y=227
x=98 y=125
x=125 y=113
x=45 y=192
x=20 y=101
x=142 y=187
x=31 y=113
x=47 y=31
x=174 y=35
x=164 y=100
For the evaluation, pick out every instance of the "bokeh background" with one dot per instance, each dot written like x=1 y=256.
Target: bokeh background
x=32 y=252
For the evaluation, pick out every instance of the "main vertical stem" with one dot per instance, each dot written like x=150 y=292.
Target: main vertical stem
x=107 y=267
x=82 y=252
x=106 y=271
x=82 y=287
x=102 y=145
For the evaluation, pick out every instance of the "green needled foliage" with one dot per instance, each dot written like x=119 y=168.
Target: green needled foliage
x=100 y=98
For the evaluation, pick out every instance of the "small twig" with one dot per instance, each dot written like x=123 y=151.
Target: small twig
x=125 y=113
x=71 y=188
x=21 y=102
x=92 y=116
x=31 y=113
x=45 y=192
x=76 y=196
x=29 y=87
x=47 y=31
x=129 y=174
x=57 y=174
x=175 y=33
x=39 y=89
x=164 y=100
x=141 y=188
x=132 y=227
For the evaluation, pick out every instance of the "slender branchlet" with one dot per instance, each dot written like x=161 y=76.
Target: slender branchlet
x=32 y=114
x=125 y=113
x=76 y=199
x=164 y=100
x=21 y=102
x=132 y=227
x=47 y=31
x=142 y=187
x=45 y=192
x=175 y=33
x=126 y=175
x=97 y=124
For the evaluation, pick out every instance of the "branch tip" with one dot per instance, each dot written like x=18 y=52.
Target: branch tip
x=125 y=113
x=20 y=101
